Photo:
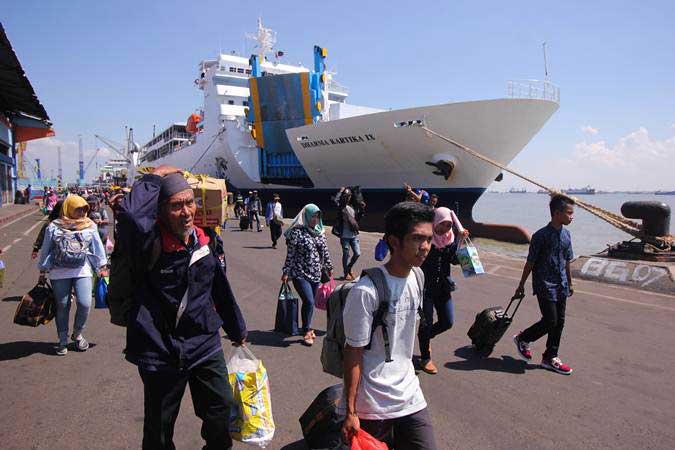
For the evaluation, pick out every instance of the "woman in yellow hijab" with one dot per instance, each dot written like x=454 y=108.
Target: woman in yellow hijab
x=74 y=214
x=72 y=253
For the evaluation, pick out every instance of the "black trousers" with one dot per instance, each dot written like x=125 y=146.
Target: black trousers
x=211 y=398
x=551 y=323
x=275 y=232
x=413 y=432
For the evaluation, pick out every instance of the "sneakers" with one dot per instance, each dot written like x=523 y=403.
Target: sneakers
x=522 y=347
x=81 y=344
x=556 y=365
x=62 y=350
x=429 y=367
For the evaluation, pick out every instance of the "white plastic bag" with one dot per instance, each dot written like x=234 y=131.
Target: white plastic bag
x=251 y=417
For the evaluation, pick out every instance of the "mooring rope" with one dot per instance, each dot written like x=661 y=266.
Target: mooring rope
x=625 y=225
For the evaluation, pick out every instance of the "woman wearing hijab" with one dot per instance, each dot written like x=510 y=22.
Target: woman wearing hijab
x=438 y=285
x=72 y=252
x=306 y=259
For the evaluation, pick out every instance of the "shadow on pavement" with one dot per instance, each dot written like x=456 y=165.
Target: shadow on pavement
x=297 y=445
x=254 y=247
x=21 y=349
x=16 y=298
x=267 y=338
x=472 y=361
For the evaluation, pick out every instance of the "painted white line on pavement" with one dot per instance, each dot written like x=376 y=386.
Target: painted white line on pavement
x=16 y=240
x=493 y=269
x=4 y=250
x=606 y=297
x=15 y=220
x=27 y=232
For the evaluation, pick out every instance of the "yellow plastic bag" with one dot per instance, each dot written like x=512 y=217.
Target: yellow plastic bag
x=251 y=417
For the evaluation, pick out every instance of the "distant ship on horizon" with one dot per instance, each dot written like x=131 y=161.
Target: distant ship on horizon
x=517 y=191
x=664 y=193
x=588 y=190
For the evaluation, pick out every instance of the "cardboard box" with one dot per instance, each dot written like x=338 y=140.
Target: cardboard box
x=211 y=200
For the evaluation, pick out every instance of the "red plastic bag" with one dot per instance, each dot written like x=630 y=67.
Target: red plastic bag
x=364 y=441
x=323 y=293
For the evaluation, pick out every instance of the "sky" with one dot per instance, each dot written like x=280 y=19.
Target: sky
x=100 y=66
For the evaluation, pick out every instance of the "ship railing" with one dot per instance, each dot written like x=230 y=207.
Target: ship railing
x=334 y=86
x=535 y=89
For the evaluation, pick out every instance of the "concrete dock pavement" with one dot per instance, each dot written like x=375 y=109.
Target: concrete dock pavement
x=618 y=340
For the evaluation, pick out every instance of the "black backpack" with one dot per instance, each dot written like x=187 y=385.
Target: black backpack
x=332 y=352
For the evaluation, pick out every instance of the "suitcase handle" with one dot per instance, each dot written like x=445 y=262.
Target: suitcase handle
x=515 y=297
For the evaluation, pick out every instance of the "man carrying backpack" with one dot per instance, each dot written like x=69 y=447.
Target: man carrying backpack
x=382 y=392
x=180 y=299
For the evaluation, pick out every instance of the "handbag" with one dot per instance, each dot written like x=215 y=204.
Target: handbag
x=37 y=307
x=286 y=320
x=467 y=255
x=381 y=250
x=323 y=294
x=101 y=292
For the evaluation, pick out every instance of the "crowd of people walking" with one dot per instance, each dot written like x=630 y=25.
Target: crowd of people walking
x=172 y=293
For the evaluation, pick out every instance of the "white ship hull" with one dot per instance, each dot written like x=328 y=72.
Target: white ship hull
x=373 y=153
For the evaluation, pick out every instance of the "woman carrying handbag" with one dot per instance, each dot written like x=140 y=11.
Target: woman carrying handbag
x=307 y=262
x=438 y=286
x=72 y=252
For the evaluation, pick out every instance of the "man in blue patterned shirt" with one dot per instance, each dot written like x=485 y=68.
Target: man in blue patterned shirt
x=549 y=262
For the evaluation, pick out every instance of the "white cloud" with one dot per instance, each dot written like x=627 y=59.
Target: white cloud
x=589 y=130
x=46 y=151
x=636 y=161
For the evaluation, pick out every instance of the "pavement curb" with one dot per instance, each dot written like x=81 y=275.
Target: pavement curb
x=17 y=215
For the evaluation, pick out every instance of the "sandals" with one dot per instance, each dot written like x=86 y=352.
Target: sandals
x=308 y=340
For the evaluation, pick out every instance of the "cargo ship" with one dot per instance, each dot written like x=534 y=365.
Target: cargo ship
x=580 y=191
x=274 y=127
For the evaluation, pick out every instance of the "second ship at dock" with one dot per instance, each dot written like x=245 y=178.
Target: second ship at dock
x=281 y=128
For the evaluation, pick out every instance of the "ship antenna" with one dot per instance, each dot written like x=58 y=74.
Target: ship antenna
x=545 y=61
x=265 y=39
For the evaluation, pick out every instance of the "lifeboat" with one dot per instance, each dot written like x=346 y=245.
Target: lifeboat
x=192 y=122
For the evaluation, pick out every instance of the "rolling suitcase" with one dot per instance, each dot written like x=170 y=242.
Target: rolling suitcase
x=244 y=223
x=490 y=325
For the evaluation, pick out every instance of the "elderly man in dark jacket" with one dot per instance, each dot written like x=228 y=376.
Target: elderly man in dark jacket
x=179 y=305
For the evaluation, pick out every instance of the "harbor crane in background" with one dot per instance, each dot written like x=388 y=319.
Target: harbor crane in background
x=131 y=146
x=114 y=146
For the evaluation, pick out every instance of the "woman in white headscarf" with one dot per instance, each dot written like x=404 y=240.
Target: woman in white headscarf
x=438 y=284
x=307 y=261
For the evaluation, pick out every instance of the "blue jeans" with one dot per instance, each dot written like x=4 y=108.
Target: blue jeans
x=62 y=289
x=445 y=310
x=307 y=291
x=346 y=244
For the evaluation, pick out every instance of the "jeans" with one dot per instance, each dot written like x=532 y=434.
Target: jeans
x=346 y=243
x=413 y=432
x=211 y=398
x=275 y=232
x=307 y=291
x=445 y=310
x=551 y=323
x=62 y=289
x=254 y=215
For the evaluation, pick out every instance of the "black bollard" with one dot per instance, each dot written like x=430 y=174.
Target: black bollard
x=655 y=216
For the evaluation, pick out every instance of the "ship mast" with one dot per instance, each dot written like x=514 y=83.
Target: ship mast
x=265 y=39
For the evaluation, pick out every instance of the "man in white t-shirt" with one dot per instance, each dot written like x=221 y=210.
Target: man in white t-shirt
x=385 y=398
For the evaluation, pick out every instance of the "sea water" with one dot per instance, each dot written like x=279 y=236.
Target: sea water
x=590 y=234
